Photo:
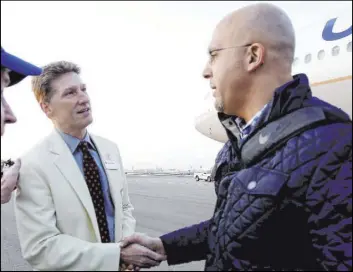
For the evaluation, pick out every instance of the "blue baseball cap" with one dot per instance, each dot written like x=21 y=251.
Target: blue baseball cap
x=19 y=69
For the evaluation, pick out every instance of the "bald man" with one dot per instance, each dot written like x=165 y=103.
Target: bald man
x=284 y=179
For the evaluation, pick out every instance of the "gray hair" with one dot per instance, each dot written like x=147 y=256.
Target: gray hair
x=41 y=85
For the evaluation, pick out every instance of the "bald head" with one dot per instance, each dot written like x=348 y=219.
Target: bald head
x=261 y=23
x=251 y=54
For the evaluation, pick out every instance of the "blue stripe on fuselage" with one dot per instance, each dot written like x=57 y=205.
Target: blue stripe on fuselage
x=329 y=35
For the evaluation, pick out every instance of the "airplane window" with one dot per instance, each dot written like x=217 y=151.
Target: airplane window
x=307 y=58
x=349 y=47
x=321 y=55
x=335 y=51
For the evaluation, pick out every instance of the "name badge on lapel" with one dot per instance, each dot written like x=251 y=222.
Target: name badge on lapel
x=110 y=164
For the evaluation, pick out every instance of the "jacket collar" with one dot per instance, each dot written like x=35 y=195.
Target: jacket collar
x=287 y=98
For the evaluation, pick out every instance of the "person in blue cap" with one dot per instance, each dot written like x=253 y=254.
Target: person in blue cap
x=13 y=70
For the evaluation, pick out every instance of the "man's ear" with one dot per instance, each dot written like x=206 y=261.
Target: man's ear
x=46 y=108
x=255 y=57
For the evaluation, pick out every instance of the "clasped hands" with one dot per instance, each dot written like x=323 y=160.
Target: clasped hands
x=141 y=251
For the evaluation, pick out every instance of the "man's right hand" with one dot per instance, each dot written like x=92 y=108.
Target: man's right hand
x=140 y=256
x=154 y=244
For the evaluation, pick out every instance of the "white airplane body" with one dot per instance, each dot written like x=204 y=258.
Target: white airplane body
x=324 y=54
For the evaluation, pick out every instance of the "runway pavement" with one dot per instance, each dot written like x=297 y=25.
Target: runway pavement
x=162 y=204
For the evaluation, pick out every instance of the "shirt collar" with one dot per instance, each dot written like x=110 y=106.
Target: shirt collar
x=73 y=142
x=240 y=128
x=242 y=125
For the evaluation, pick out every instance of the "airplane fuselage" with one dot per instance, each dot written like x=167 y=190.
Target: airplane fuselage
x=324 y=54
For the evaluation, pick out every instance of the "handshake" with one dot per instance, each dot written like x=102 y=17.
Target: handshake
x=141 y=251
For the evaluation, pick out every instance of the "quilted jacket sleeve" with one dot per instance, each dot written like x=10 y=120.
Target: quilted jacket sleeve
x=187 y=244
x=329 y=198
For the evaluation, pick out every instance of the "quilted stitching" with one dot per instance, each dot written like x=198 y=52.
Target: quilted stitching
x=313 y=161
x=301 y=220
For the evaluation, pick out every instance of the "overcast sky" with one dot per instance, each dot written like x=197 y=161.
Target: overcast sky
x=142 y=62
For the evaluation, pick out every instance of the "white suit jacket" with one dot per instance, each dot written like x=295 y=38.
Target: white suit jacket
x=55 y=216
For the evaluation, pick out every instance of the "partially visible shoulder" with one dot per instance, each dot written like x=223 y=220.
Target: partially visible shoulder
x=102 y=141
x=339 y=123
x=327 y=138
x=332 y=132
x=38 y=151
x=100 y=138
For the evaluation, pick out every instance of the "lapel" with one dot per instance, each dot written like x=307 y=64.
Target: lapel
x=65 y=162
x=106 y=154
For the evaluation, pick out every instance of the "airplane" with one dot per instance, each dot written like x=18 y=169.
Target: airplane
x=323 y=53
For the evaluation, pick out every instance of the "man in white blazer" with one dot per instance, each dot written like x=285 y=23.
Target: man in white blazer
x=72 y=203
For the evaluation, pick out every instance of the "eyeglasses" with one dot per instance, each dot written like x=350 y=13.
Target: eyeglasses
x=230 y=47
x=225 y=48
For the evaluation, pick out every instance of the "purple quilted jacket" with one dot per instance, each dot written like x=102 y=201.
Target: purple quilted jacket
x=286 y=208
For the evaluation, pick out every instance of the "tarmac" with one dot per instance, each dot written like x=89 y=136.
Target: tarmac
x=162 y=204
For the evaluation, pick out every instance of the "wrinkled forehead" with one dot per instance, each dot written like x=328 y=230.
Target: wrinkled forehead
x=224 y=35
x=65 y=81
x=217 y=41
